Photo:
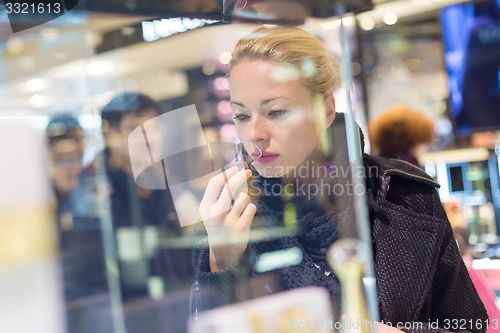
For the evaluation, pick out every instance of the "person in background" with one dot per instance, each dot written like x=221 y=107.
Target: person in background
x=65 y=136
x=459 y=224
x=401 y=133
x=78 y=224
x=140 y=216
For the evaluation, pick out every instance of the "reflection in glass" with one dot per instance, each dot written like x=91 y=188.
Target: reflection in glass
x=246 y=154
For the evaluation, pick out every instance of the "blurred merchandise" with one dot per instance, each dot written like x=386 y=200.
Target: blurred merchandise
x=30 y=276
x=299 y=309
x=469 y=180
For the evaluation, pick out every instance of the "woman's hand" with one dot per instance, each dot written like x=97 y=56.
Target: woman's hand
x=227 y=214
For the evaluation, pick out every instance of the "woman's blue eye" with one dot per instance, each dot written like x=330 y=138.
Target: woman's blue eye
x=277 y=113
x=240 y=117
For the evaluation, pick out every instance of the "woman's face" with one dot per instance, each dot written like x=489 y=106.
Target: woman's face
x=273 y=109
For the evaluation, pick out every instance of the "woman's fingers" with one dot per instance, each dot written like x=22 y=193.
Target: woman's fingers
x=229 y=239
x=231 y=188
x=246 y=217
x=239 y=206
x=235 y=229
x=221 y=191
x=216 y=183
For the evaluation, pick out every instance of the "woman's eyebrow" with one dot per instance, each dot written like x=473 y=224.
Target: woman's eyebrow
x=237 y=103
x=264 y=102
x=267 y=101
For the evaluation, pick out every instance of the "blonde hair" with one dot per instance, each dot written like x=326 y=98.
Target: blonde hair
x=294 y=46
x=401 y=126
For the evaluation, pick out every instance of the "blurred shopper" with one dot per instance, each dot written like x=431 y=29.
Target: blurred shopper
x=459 y=224
x=141 y=217
x=78 y=221
x=401 y=133
x=66 y=150
x=84 y=272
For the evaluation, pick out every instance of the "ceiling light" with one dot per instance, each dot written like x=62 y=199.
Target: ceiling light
x=225 y=57
x=208 y=68
x=149 y=32
x=367 y=23
x=221 y=84
x=418 y=3
x=36 y=85
x=390 y=18
x=153 y=30
x=347 y=21
x=99 y=67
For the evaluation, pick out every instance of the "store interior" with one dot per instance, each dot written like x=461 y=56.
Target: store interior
x=412 y=52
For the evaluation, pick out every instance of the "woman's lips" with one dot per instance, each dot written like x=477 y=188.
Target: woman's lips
x=266 y=157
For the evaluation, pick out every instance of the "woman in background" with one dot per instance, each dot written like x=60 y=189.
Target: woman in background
x=401 y=133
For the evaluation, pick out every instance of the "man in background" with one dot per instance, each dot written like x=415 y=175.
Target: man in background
x=141 y=217
x=79 y=227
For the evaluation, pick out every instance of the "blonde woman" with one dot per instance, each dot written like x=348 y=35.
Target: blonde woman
x=278 y=78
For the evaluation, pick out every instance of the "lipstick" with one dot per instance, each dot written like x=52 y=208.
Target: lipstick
x=266 y=157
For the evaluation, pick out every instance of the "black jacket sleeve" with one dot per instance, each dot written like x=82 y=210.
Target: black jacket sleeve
x=422 y=283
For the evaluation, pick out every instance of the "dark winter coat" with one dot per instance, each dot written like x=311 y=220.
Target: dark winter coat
x=420 y=276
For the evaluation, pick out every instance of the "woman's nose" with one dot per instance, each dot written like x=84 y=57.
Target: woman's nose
x=258 y=130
